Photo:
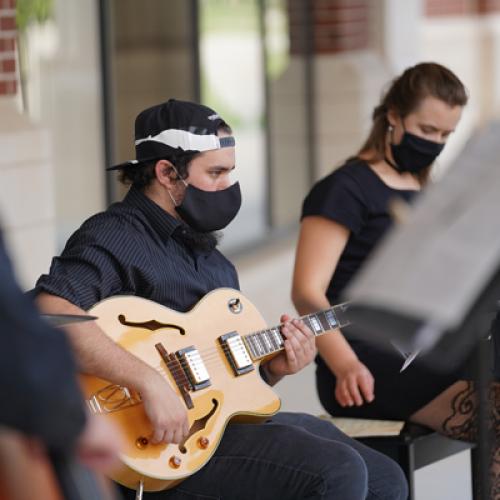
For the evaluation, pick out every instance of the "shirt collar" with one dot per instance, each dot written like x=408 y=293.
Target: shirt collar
x=161 y=221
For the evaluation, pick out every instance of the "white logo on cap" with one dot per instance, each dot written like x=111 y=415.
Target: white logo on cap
x=213 y=117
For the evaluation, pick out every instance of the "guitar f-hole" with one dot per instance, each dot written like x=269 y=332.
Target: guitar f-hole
x=152 y=324
x=198 y=425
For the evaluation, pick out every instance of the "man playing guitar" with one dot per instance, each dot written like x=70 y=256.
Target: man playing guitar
x=159 y=243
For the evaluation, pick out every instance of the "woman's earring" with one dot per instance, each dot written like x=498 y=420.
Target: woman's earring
x=390 y=128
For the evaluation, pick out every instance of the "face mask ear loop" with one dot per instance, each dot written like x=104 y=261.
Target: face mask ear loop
x=172 y=198
x=178 y=176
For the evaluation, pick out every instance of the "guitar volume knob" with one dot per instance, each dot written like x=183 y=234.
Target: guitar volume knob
x=203 y=442
x=141 y=442
x=174 y=462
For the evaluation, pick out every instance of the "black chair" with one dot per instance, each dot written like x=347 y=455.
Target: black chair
x=416 y=447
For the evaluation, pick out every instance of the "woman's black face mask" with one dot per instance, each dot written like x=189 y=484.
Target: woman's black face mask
x=414 y=154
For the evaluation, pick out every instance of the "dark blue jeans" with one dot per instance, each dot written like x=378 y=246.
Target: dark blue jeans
x=292 y=456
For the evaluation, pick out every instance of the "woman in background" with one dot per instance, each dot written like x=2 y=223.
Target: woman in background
x=343 y=218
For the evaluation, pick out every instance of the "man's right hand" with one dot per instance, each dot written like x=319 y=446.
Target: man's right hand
x=94 y=349
x=166 y=412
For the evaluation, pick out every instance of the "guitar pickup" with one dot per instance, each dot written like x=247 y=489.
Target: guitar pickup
x=193 y=367
x=236 y=353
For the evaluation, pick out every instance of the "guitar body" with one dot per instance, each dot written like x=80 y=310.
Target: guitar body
x=139 y=326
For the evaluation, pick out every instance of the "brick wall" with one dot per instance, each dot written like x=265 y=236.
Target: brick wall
x=487 y=6
x=8 y=80
x=460 y=7
x=337 y=25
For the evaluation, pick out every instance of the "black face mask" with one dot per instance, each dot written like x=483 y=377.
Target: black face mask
x=208 y=211
x=413 y=154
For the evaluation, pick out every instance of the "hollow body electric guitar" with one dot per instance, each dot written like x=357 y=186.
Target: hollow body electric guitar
x=210 y=357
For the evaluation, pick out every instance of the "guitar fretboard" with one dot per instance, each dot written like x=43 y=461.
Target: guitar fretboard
x=266 y=342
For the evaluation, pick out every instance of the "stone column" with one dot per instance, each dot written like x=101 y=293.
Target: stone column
x=26 y=198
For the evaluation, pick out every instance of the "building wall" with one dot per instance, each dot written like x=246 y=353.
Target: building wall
x=357 y=47
x=148 y=66
x=26 y=196
x=465 y=36
x=8 y=66
x=68 y=97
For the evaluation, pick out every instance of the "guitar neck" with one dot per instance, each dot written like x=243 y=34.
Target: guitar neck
x=266 y=342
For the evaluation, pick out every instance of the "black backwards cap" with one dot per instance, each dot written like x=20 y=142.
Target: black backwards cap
x=173 y=128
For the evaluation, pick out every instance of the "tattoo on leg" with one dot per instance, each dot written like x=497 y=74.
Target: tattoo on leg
x=462 y=423
x=494 y=399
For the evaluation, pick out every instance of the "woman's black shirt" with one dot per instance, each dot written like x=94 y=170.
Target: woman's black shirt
x=356 y=197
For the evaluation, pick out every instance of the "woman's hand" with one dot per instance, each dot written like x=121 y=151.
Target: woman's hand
x=355 y=384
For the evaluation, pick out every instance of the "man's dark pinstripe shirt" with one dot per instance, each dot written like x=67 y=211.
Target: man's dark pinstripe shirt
x=135 y=248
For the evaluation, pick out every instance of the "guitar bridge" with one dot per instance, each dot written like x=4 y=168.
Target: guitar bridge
x=187 y=369
x=236 y=353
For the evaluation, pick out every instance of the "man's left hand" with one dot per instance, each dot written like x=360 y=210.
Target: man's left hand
x=300 y=349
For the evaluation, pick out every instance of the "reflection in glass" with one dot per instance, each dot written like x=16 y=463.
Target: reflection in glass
x=232 y=82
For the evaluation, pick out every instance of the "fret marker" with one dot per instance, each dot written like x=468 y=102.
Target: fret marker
x=330 y=317
x=316 y=324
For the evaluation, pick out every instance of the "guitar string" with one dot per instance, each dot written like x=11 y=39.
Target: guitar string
x=182 y=366
x=210 y=361
x=307 y=317
x=259 y=333
x=211 y=354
